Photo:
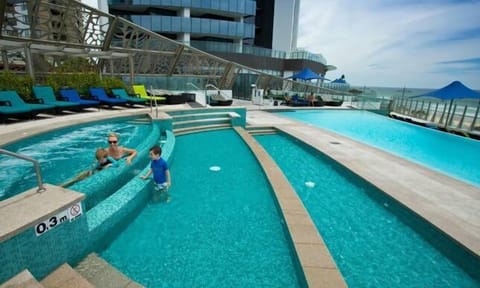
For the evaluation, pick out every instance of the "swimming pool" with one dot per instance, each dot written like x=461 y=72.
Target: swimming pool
x=221 y=228
x=64 y=153
x=375 y=241
x=447 y=153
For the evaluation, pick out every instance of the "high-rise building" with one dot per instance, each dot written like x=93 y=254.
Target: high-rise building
x=259 y=34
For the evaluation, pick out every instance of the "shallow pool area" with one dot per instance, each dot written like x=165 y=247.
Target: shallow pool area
x=66 y=152
x=374 y=240
x=221 y=228
x=453 y=155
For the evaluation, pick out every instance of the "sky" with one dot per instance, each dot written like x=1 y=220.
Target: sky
x=395 y=43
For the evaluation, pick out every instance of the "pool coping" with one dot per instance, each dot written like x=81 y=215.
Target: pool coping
x=21 y=212
x=317 y=264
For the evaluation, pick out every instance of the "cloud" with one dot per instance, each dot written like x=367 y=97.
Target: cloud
x=458 y=66
x=423 y=44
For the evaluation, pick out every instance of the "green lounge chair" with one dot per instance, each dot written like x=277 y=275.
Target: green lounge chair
x=46 y=95
x=142 y=93
x=131 y=100
x=13 y=105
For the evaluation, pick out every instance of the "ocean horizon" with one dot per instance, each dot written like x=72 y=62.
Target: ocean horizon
x=391 y=92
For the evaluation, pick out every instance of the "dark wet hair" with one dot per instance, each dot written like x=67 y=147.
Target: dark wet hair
x=157 y=150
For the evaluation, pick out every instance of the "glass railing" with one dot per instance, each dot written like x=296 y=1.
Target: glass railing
x=211 y=46
x=305 y=55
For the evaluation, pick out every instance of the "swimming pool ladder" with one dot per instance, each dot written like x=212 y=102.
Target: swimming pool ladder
x=36 y=165
x=214 y=87
x=156 y=104
x=204 y=91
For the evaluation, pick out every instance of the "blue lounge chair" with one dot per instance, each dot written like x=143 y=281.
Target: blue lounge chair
x=132 y=100
x=70 y=94
x=46 y=95
x=12 y=105
x=99 y=94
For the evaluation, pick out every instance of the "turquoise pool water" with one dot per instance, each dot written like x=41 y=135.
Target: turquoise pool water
x=220 y=229
x=63 y=153
x=450 y=154
x=375 y=241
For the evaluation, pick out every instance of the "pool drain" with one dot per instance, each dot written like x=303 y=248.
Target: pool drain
x=215 y=168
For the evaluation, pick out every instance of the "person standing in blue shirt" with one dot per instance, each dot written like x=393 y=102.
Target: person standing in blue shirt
x=161 y=173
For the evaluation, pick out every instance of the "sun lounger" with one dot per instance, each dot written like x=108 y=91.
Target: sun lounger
x=132 y=100
x=13 y=105
x=70 y=94
x=9 y=111
x=297 y=101
x=46 y=95
x=220 y=100
x=100 y=95
x=328 y=101
x=142 y=93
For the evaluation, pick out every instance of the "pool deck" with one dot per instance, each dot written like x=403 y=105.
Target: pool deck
x=451 y=205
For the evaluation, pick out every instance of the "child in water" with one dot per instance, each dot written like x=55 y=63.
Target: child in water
x=103 y=161
x=161 y=174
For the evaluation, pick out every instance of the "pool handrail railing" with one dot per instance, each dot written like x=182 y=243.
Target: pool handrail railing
x=36 y=165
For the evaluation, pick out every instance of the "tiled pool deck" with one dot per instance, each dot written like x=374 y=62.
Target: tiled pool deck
x=449 y=204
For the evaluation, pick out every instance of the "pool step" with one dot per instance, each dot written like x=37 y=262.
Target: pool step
x=23 y=279
x=195 y=116
x=261 y=130
x=201 y=122
x=101 y=274
x=202 y=128
x=65 y=276
x=145 y=120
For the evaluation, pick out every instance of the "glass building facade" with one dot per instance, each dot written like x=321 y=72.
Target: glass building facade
x=243 y=31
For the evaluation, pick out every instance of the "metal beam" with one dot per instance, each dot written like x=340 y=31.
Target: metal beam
x=178 y=53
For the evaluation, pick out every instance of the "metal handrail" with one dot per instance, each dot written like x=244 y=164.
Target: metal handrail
x=194 y=86
x=213 y=86
x=151 y=104
x=36 y=165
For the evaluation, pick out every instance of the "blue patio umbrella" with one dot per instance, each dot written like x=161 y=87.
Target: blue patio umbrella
x=307 y=74
x=454 y=90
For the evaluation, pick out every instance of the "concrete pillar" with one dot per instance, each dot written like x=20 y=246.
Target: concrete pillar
x=184 y=37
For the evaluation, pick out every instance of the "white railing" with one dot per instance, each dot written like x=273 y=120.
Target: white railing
x=462 y=115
